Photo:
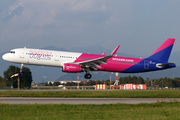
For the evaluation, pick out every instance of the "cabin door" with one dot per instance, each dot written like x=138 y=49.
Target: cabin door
x=57 y=57
x=22 y=53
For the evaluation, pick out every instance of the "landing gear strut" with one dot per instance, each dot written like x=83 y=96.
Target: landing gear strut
x=21 y=68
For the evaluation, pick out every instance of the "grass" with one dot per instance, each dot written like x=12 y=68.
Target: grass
x=162 y=111
x=95 y=94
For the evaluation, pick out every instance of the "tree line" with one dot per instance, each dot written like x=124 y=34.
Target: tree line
x=26 y=80
x=162 y=82
x=24 y=76
x=82 y=83
x=122 y=80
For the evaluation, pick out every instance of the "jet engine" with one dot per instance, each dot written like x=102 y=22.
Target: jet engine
x=72 y=68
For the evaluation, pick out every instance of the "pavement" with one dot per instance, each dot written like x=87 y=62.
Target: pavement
x=42 y=100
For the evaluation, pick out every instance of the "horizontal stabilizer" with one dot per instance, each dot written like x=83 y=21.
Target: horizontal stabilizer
x=160 y=65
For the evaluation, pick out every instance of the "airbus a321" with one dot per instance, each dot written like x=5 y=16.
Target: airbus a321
x=73 y=62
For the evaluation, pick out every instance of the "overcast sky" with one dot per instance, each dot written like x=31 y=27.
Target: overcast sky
x=139 y=26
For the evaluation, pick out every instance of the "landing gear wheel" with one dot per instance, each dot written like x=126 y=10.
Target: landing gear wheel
x=87 y=76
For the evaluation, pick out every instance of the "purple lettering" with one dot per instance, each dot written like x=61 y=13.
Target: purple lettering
x=45 y=55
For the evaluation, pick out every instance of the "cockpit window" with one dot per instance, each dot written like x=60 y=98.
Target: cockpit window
x=12 y=52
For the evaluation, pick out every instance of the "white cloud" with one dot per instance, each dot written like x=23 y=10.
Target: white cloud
x=64 y=21
x=105 y=22
x=88 y=5
x=45 y=12
x=14 y=6
x=55 y=13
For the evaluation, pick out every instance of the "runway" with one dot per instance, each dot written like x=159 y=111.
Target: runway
x=38 y=100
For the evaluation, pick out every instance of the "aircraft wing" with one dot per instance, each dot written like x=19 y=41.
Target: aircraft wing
x=93 y=63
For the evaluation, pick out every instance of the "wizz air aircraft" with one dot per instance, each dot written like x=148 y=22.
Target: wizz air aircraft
x=72 y=62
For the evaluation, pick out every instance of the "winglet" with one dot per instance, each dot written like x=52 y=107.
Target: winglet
x=115 y=50
x=104 y=53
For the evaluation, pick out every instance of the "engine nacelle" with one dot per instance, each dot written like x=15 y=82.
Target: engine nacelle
x=72 y=68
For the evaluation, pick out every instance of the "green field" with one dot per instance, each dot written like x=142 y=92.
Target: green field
x=96 y=94
x=160 y=111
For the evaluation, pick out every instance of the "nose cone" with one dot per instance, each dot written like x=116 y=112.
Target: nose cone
x=6 y=57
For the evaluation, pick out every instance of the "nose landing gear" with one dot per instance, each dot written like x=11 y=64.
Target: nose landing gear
x=22 y=65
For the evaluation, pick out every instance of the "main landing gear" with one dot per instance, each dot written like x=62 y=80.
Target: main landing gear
x=87 y=75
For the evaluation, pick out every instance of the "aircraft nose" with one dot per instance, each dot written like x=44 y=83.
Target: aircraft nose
x=8 y=57
x=5 y=57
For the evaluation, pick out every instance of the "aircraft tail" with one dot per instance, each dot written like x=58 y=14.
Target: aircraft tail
x=164 y=51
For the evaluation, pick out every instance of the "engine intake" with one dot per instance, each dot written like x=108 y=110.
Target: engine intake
x=72 y=68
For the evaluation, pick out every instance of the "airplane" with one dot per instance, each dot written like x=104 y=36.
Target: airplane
x=73 y=62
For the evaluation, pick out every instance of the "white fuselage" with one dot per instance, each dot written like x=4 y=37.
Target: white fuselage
x=40 y=57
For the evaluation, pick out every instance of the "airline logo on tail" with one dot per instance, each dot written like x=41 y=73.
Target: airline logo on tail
x=164 y=51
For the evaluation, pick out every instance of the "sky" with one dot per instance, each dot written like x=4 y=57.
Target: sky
x=138 y=26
